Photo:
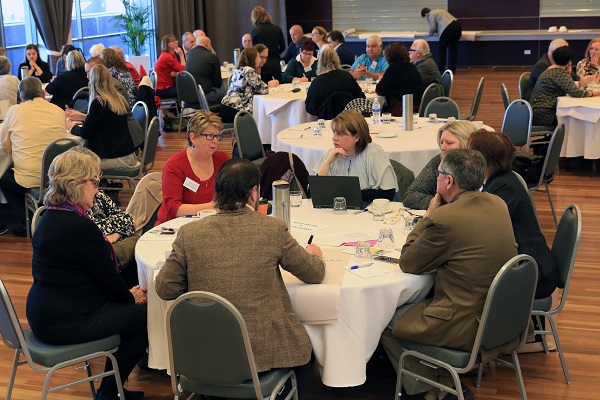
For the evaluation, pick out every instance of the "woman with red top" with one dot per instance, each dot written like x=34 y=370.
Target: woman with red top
x=167 y=66
x=188 y=176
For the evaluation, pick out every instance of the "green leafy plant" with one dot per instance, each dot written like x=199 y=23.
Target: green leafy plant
x=135 y=24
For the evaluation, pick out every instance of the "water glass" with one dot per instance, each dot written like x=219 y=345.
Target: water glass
x=386 y=238
x=379 y=207
x=433 y=118
x=339 y=205
x=369 y=82
x=409 y=221
x=386 y=117
x=296 y=84
x=363 y=251
x=295 y=198
x=416 y=118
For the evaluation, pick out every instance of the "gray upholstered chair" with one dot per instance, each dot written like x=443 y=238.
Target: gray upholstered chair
x=505 y=318
x=405 y=178
x=476 y=100
x=517 y=123
x=564 y=250
x=505 y=96
x=210 y=352
x=447 y=80
x=444 y=107
x=249 y=144
x=524 y=84
x=431 y=92
x=46 y=359
x=36 y=218
x=81 y=99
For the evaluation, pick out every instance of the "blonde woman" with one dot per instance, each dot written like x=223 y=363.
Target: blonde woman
x=63 y=87
x=453 y=135
x=319 y=35
x=105 y=128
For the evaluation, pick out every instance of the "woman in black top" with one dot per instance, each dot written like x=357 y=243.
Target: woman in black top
x=401 y=78
x=35 y=65
x=78 y=294
x=63 y=87
x=270 y=35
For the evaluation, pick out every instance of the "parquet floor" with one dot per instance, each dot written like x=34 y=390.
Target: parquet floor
x=579 y=324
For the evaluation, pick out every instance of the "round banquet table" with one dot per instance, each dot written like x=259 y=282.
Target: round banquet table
x=344 y=316
x=413 y=149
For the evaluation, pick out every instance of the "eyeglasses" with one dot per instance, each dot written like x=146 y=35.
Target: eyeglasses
x=210 y=136
x=96 y=182
x=307 y=54
x=263 y=57
x=438 y=173
x=411 y=50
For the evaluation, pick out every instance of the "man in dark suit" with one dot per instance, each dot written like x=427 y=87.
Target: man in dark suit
x=465 y=236
x=338 y=43
x=297 y=35
x=205 y=67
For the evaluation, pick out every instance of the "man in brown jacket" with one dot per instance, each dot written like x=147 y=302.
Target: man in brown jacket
x=466 y=237
x=236 y=254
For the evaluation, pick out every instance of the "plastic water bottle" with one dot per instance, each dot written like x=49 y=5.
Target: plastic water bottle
x=376 y=111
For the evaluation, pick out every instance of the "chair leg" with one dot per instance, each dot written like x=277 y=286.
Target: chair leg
x=13 y=373
x=563 y=362
x=479 y=374
x=88 y=369
x=517 y=368
x=551 y=204
x=544 y=341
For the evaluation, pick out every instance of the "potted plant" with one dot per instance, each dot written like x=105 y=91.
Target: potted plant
x=134 y=21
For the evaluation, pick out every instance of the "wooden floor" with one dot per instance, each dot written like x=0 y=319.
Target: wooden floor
x=579 y=324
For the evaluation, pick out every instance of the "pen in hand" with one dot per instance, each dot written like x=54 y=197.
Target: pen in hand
x=310 y=239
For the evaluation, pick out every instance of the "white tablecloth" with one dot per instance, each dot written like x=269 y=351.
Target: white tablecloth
x=342 y=346
x=581 y=117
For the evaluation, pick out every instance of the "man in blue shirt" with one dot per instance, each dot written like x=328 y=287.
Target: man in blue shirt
x=372 y=64
x=297 y=35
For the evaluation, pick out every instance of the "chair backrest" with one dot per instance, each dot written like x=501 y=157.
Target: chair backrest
x=187 y=89
x=565 y=245
x=517 y=122
x=477 y=99
x=431 y=92
x=447 y=80
x=363 y=105
x=524 y=84
x=145 y=202
x=444 y=107
x=153 y=79
x=81 y=99
x=203 y=100
x=36 y=218
x=505 y=96
x=552 y=155
x=335 y=104
x=10 y=328
x=524 y=184
x=248 y=138
x=209 y=342
x=140 y=113
x=150 y=145
x=346 y=67
x=507 y=309
x=405 y=178
x=55 y=148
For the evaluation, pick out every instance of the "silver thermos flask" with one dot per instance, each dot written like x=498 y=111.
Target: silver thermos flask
x=407 y=112
x=281 y=201
x=24 y=72
x=236 y=56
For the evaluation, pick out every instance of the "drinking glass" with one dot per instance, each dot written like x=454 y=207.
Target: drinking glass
x=379 y=208
x=386 y=238
x=416 y=118
x=295 y=198
x=433 y=118
x=386 y=117
x=363 y=251
x=339 y=205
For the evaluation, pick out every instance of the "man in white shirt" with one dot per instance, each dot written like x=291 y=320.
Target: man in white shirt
x=188 y=42
x=246 y=41
x=28 y=129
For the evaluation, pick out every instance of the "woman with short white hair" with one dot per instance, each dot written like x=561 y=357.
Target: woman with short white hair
x=64 y=86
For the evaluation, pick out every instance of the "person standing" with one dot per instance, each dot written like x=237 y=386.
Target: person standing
x=270 y=35
x=449 y=29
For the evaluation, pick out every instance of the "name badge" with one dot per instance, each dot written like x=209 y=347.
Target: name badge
x=373 y=65
x=190 y=184
x=307 y=69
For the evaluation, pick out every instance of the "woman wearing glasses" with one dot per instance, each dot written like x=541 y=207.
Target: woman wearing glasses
x=304 y=66
x=78 y=294
x=318 y=35
x=188 y=176
x=269 y=73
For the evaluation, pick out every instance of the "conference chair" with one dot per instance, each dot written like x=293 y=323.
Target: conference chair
x=505 y=96
x=140 y=114
x=210 y=352
x=187 y=95
x=129 y=174
x=444 y=107
x=165 y=103
x=80 y=100
x=447 y=81
x=35 y=195
x=564 y=250
x=346 y=67
x=46 y=359
x=431 y=92
x=476 y=100
x=405 y=178
x=335 y=104
x=524 y=184
x=550 y=166
x=365 y=106
x=505 y=319
x=36 y=218
x=524 y=84
x=249 y=144
x=145 y=202
x=517 y=123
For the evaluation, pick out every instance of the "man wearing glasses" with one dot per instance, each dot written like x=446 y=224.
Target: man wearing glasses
x=205 y=67
x=465 y=236
x=372 y=64
x=421 y=57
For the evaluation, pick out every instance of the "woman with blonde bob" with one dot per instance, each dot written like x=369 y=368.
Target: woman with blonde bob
x=453 y=135
x=64 y=86
x=105 y=126
x=354 y=154
x=78 y=294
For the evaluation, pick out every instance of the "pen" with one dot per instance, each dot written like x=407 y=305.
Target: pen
x=167 y=229
x=361 y=211
x=310 y=239
x=357 y=266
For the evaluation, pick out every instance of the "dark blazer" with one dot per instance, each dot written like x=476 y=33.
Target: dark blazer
x=530 y=239
x=400 y=79
x=292 y=50
x=325 y=85
x=271 y=36
x=205 y=67
x=346 y=54
x=46 y=73
x=64 y=86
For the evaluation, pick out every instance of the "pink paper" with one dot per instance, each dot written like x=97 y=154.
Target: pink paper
x=372 y=243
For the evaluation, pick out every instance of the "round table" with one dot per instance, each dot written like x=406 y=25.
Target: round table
x=344 y=316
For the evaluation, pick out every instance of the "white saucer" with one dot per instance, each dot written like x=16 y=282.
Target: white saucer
x=386 y=135
x=389 y=209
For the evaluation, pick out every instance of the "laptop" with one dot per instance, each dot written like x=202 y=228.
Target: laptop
x=324 y=188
